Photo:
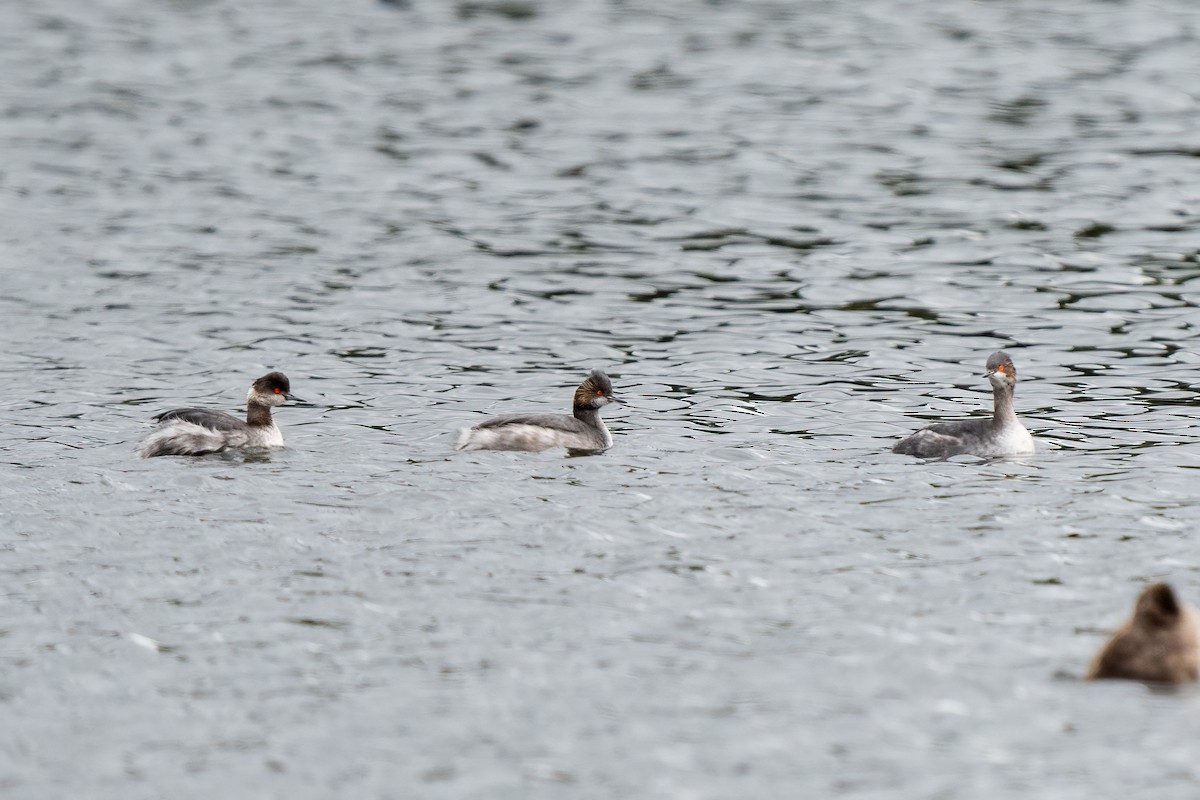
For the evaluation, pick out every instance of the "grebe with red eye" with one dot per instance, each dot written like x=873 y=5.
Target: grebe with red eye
x=196 y=431
x=583 y=431
x=1002 y=435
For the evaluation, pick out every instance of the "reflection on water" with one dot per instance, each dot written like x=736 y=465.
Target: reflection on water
x=791 y=233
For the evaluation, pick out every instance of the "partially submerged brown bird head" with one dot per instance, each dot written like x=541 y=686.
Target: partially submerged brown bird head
x=1160 y=643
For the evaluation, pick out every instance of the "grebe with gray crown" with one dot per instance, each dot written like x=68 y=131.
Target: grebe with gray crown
x=583 y=431
x=1002 y=435
x=198 y=431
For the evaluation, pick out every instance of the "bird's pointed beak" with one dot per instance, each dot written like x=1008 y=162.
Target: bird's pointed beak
x=293 y=398
x=612 y=398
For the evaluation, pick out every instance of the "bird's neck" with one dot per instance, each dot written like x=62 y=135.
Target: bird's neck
x=1002 y=398
x=258 y=414
x=586 y=414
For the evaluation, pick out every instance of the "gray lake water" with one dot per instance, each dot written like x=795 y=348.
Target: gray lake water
x=791 y=232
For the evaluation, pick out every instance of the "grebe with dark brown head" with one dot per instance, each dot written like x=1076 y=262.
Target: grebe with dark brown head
x=197 y=431
x=583 y=431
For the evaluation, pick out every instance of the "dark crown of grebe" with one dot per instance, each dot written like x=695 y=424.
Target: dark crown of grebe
x=271 y=389
x=596 y=391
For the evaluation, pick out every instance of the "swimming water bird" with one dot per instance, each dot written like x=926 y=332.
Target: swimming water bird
x=1002 y=435
x=196 y=431
x=583 y=431
x=1160 y=643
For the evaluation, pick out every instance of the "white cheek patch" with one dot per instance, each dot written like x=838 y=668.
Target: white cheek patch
x=265 y=398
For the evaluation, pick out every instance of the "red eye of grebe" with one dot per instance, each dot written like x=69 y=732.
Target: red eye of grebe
x=276 y=390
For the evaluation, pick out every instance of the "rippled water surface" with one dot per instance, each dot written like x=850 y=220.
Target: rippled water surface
x=791 y=232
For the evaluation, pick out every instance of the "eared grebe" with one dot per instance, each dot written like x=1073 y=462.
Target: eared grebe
x=196 y=431
x=583 y=431
x=1159 y=643
x=1002 y=435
